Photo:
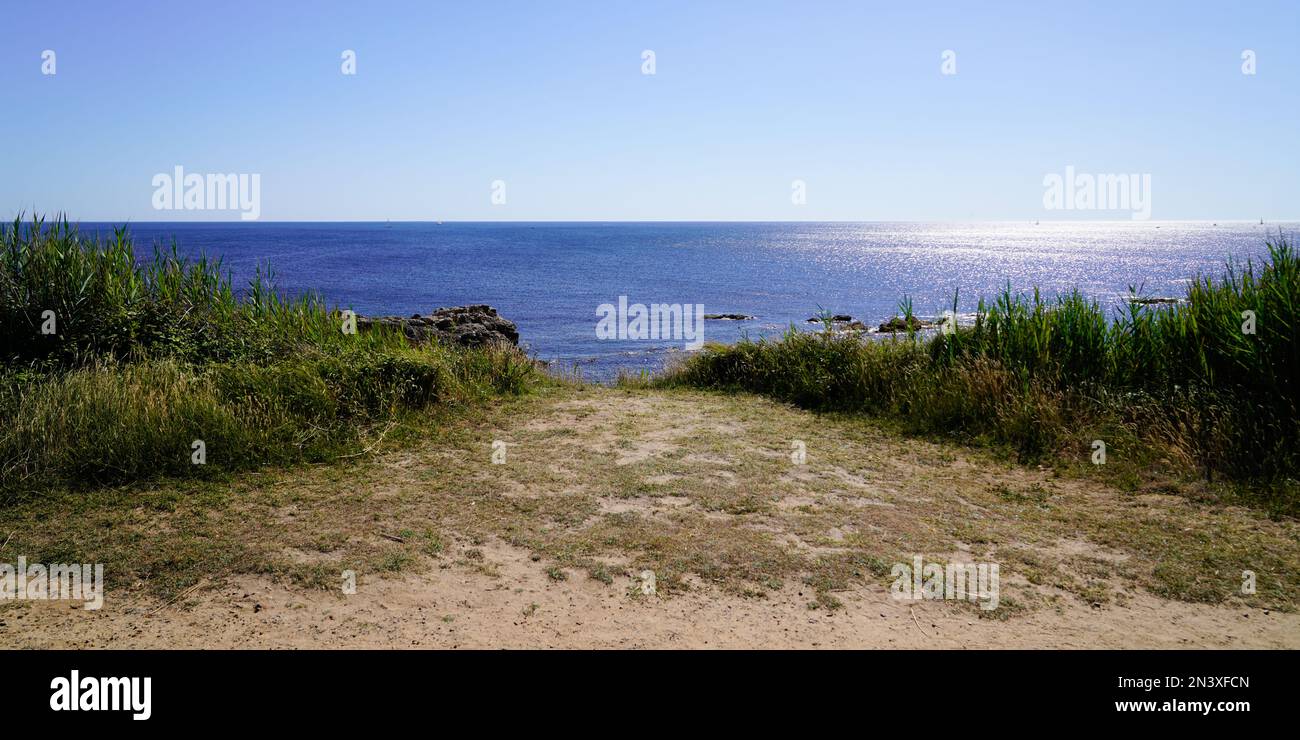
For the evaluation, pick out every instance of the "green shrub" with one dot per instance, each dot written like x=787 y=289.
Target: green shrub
x=150 y=356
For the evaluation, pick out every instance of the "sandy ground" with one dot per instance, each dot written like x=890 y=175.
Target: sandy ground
x=453 y=607
x=709 y=470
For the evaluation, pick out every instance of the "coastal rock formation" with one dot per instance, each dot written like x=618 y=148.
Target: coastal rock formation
x=899 y=324
x=468 y=326
x=729 y=316
x=842 y=323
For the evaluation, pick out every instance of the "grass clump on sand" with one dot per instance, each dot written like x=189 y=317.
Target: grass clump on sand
x=1206 y=384
x=112 y=367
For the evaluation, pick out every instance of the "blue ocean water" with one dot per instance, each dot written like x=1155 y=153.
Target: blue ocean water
x=550 y=278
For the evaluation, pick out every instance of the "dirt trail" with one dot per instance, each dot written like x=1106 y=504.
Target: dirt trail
x=522 y=608
x=546 y=550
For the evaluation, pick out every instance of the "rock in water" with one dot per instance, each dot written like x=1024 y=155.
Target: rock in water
x=474 y=326
x=899 y=324
x=468 y=326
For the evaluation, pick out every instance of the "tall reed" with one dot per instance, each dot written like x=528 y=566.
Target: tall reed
x=1213 y=374
x=147 y=356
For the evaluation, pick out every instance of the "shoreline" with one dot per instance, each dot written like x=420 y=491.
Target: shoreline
x=1111 y=471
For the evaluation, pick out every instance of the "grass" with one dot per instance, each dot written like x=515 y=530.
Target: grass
x=1204 y=386
x=604 y=483
x=697 y=487
x=117 y=369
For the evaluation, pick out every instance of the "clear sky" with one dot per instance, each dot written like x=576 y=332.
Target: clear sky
x=747 y=97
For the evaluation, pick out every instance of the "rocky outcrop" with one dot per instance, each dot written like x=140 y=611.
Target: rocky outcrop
x=468 y=326
x=729 y=317
x=841 y=323
x=899 y=324
x=845 y=324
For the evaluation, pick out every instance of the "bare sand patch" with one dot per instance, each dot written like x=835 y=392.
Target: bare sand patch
x=452 y=607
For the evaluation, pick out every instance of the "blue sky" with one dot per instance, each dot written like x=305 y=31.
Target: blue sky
x=747 y=97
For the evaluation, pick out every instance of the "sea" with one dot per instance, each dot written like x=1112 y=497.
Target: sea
x=557 y=281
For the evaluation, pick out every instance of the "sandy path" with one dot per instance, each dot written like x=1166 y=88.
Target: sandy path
x=855 y=491
x=456 y=608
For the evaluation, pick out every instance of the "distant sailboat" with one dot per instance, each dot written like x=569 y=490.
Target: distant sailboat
x=388 y=224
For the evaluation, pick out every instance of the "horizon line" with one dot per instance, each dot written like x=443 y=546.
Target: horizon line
x=1266 y=221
